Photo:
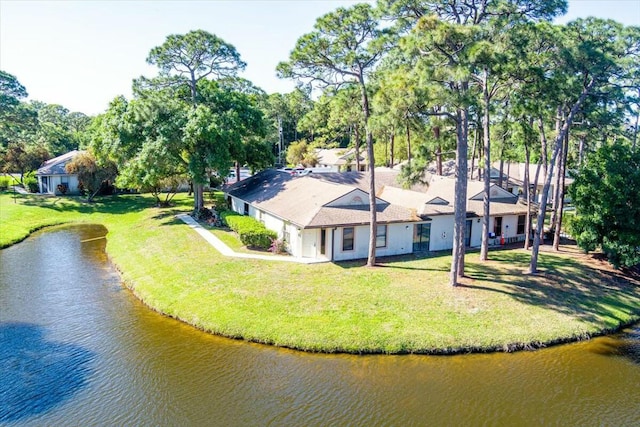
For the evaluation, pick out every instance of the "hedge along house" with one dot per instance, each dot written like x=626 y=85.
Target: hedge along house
x=321 y=219
x=53 y=177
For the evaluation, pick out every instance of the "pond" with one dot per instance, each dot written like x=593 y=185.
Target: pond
x=77 y=348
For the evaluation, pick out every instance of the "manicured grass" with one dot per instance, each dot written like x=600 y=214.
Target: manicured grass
x=404 y=305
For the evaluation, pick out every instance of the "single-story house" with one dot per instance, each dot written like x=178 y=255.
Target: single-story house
x=341 y=159
x=326 y=216
x=319 y=218
x=53 y=177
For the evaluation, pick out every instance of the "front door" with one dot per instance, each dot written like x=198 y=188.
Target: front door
x=467 y=233
x=421 y=236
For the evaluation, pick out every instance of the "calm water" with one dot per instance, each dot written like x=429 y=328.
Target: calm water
x=77 y=349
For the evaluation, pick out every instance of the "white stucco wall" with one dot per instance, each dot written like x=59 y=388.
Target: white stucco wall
x=55 y=180
x=399 y=241
x=360 y=244
x=510 y=225
x=441 y=233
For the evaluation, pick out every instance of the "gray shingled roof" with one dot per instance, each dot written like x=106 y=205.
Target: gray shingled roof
x=385 y=177
x=358 y=215
x=502 y=202
x=56 y=166
x=302 y=200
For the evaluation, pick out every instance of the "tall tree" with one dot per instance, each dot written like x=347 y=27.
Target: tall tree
x=592 y=53
x=446 y=37
x=443 y=50
x=189 y=58
x=186 y=60
x=344 y=47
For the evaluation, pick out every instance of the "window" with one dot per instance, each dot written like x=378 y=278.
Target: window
x=246 y=208
x=381 y=236
x=497 y=226
x=347 y=238
x=521 y=223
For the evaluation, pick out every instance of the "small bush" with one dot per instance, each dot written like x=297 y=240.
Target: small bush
x=251 y=232
x=278 y=246
x=5 y=181
x=218 y=201
x=31 y=184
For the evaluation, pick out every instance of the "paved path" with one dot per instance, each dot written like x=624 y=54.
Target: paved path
x=227 y=251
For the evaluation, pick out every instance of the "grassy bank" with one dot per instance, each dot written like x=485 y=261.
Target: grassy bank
x=404 y=305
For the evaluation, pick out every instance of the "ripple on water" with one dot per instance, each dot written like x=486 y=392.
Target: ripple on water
x=37 y=375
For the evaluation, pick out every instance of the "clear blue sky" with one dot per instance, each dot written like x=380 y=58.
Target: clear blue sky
x=82 y=54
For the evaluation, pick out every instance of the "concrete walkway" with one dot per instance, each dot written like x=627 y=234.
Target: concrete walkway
x=227 y=251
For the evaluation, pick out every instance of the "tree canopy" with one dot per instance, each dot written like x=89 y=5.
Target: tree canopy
x=606 y=194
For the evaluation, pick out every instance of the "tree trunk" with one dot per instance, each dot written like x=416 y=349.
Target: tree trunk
x=373 y=223
x=484 y=247
x=635 y=131
x=501 y=166
x=460 y=200
x=393 y=140
x=581 y=149
x=635 y=127
x=408 y=141
x=480 y=155
x=560 y=209
x=357 y=146
x=533 y=266
x=555 y=171
x=192 y=86
x=473 y=156
x=527 y=192
x=198 y=196
x=436 y=134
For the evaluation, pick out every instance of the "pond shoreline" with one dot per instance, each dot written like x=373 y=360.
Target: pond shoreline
x=343 y=308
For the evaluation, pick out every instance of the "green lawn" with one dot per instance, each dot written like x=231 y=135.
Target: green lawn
x=404 y=305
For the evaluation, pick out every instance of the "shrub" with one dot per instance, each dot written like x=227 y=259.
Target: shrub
x=31 y=183
x=5 y=181
x=278 y=246
x=251 y=232
x=218 y=201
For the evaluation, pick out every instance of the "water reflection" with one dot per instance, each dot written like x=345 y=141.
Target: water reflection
x=625 y=344
x=37 y=374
